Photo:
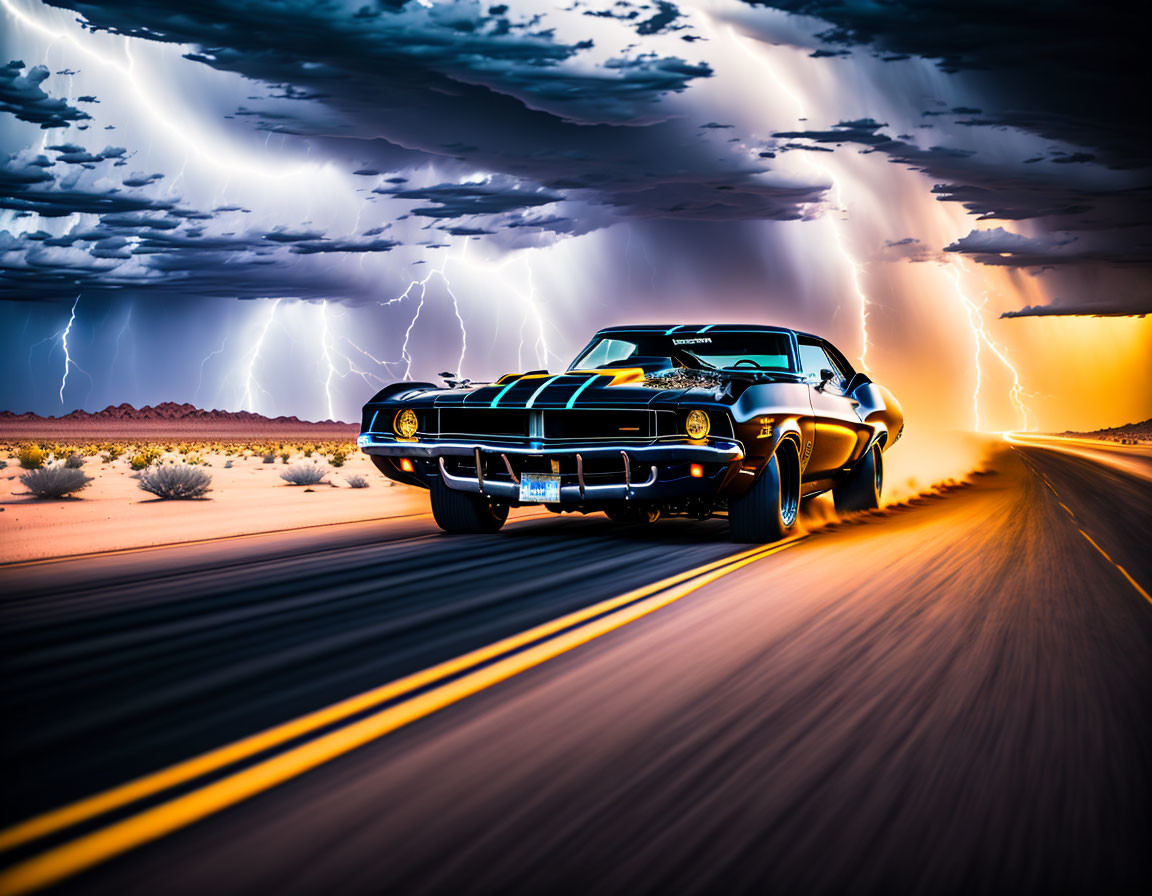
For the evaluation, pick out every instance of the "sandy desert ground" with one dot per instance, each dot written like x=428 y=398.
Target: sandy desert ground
x=113 y=513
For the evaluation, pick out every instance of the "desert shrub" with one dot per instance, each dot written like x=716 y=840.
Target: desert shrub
x=356 y=481
x=309 y=450
x=113 y=452
x=74 y=462
x=175 y=481
x=145 y=457
x=228 y=464
x=338 y=458
x=270 y=457
x=304 y=474
x=31 y=457
x=196 y=459
x=3 y=465
x=285 y=456
x=55 y=481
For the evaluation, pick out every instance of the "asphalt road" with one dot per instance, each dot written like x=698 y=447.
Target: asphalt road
x=949 y=696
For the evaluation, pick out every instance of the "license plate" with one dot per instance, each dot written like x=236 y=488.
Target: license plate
x=539 y=488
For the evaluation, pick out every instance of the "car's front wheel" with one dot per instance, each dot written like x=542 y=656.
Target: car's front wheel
x=860 y=489
x=461 y=512
x=767 y=512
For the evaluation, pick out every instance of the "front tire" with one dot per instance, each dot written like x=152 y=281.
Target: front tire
x=461 y=512
x=861 y=488
x=767 y=512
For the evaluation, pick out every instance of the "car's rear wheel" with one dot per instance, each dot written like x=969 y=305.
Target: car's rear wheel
x=461 y=512
x=861 y=488
x=767 y=512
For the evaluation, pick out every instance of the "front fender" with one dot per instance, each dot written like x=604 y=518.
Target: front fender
x=880 y=409
x=401 y=391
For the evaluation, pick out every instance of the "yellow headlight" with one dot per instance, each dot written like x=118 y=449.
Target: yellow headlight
x=406 y=423
x=697 y=425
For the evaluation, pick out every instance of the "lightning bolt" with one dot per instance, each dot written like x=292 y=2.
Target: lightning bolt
x=854 y=267
x=61 y=336
x=325 y=340
x=980 y=336
x=214 y=152
x=68 y=362
x=207 y=358
x=253 y=356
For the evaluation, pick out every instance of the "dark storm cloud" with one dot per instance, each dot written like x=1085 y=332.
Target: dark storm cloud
x=1081 y=310
x=1011 y=192
x=139 y=237
x=456 y=41
x=22 y=96
x=1066 y=71
x=487 y=198
x=476 y=86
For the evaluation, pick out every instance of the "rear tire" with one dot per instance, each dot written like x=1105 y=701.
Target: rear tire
x=767 y=512
x=461 y=512
x=861 y=488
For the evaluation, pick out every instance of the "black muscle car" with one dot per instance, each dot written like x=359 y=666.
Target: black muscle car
x=689 y=419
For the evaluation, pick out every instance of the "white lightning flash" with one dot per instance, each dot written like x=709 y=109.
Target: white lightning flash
x=252 y=356
x=207 y=358
x=854 y=267
x=68 y=362
x=218 y=153
x=980 y=336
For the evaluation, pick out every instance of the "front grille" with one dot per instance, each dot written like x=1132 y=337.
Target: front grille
x=483 y=422
x=598 y=424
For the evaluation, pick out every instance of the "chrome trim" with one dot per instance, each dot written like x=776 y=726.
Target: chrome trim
x=510 y=491
x=627 y=473
x=580 y=474
x=725 y=450
x=479 y=469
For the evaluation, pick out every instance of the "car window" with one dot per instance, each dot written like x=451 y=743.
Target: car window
x=813 y=359
x=605 y=352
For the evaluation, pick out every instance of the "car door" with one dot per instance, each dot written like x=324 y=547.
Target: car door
x=838 y=429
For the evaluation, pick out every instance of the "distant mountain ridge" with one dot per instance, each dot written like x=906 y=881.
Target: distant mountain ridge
x=167 y=412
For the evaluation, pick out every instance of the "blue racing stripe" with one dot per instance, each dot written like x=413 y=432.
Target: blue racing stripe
x=672 y=330
x=496 y=400
x=588 y=382
x=548 y=382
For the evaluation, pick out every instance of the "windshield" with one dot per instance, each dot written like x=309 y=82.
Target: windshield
x=749 y=350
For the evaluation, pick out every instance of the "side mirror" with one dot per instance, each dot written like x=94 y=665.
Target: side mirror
x=826 y=376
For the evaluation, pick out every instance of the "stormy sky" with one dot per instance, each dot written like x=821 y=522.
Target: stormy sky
x=281 y=205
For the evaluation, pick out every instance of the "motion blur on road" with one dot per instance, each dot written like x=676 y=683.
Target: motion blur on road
x=951 y=695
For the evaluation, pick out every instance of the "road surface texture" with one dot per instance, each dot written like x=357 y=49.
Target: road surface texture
x=953 y=696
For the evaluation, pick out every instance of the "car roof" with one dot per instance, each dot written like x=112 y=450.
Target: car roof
x=688 y=329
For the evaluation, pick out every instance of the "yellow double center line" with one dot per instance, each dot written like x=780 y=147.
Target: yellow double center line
x=489 y=665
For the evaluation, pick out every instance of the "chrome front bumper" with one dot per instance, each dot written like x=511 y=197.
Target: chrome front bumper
x=641 y=473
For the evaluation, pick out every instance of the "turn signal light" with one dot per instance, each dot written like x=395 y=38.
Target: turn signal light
x=406 y=465
x=696 y=471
